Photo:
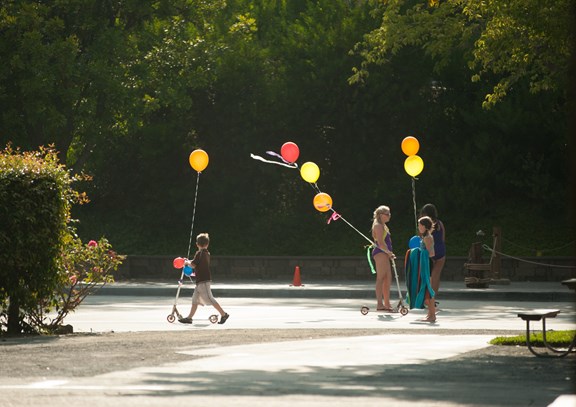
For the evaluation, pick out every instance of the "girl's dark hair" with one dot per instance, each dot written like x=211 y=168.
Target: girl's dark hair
x=426 y=221
x=429 y=210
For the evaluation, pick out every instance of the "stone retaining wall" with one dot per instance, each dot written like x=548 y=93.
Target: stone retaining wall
x=335 y=268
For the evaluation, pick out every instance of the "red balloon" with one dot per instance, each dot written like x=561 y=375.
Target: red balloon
x=178 y=262
x=290 y=152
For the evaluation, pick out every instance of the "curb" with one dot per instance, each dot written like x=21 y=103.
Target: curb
x=360 y=293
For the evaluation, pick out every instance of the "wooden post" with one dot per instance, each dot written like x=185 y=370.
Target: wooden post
x=475 y=255
x=497 y=260
x=497 y=245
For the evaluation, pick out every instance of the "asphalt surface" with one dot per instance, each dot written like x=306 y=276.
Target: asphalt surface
x=284 y=345
x=450 y=290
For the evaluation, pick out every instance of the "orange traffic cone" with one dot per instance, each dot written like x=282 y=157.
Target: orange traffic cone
x=296 y=282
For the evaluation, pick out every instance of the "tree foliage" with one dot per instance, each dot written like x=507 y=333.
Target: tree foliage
x=126 y=90
x=510 y=44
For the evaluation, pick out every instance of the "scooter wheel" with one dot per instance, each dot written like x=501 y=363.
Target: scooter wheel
x=403 y=311
x=213 y=318
x=364 y=310
x=171 y=318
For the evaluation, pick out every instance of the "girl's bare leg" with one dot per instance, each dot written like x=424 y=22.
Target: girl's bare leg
x=383 y=280
x=379 y=280
x=436 y=272
x=387 y=285
x=431 y=316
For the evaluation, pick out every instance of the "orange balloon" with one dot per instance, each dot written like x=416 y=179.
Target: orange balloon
x=322 y=202
x=199 y=160
x=410 y=146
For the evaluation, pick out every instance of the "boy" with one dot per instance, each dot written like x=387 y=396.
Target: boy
x=203 y=293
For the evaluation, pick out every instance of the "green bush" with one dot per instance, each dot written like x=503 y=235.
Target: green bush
x=42 y=262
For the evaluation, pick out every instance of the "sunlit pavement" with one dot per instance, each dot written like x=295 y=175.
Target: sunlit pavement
x=147 y=306
x=125 y=314
x=384 y=369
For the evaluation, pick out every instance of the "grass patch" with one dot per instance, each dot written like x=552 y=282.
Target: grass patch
x=557 y=339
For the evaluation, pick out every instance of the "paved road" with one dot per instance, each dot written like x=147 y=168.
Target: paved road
x=125 y=314
x=288 y=351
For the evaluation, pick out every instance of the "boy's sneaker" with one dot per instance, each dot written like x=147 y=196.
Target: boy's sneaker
x=186 y=320
x=223 y=318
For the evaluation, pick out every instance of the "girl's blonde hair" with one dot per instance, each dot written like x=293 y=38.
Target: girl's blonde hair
x=377 y=212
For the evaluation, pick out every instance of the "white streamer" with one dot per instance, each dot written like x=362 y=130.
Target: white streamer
x=257 y=157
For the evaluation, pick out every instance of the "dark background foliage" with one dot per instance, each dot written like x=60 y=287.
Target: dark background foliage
x=128 y=92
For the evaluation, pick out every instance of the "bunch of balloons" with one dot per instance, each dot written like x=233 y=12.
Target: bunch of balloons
x=289 y=153
x=322 y=201
x=310 y=172
x=182 y=263
x=413 y=165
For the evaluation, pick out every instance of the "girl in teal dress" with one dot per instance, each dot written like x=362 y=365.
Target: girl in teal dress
x=418 y=266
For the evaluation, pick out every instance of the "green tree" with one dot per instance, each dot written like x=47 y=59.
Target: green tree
x=64 y=78
x=508 y=45
x=148 y=82
x=511 y=57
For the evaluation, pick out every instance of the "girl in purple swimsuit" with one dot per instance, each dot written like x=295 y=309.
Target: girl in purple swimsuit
x=439 y=235
x=382 y=255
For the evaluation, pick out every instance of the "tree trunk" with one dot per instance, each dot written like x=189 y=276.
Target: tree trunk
x=14 y=316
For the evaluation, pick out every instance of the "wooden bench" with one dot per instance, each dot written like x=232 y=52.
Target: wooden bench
x=542 y=314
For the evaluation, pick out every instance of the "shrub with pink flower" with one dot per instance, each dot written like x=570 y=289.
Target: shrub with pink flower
x=84 y=269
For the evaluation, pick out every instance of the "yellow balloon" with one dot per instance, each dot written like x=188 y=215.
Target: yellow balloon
x=199 y=160
x=413 y=165
x=322 y=202
x=410 y=146
x=310 y=172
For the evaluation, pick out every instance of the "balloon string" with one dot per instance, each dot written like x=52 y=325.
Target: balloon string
x=193 y=215
x=272 y=153
x=414 y=202
x=349 y=224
